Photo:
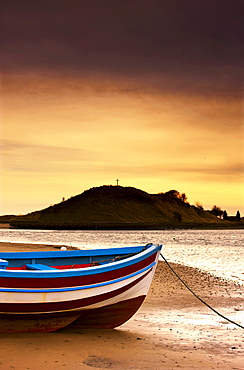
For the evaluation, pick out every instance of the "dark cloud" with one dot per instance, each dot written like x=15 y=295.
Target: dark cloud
x=194 y=42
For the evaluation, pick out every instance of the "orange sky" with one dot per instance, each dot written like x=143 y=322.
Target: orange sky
x=156 y=120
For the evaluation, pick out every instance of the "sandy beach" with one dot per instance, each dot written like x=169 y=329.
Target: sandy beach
x=171 y=330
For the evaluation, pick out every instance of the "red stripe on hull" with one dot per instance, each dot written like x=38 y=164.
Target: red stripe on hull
x=55 y=282
x=109 y=316
x=59 y=267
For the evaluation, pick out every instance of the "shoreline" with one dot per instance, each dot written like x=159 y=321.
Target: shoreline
x=180 y=226
x=171 y=330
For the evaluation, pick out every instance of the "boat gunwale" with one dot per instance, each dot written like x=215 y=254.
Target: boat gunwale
x=59 y=273
x=71 y=253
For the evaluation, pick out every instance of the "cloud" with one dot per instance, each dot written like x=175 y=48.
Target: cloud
x=105 y=120
x=84 y=102
x=191 y=46
x=21 y=157
x=147 y=91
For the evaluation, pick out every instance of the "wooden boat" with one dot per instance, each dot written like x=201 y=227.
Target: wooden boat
x=99 y=288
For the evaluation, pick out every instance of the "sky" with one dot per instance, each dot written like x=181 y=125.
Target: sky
x=146 y=92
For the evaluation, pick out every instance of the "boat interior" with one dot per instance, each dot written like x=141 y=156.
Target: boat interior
x=65 y=259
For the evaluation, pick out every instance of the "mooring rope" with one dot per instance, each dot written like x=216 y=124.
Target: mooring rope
x=200 y=299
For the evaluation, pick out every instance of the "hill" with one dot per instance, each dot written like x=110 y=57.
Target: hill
x=117 y=207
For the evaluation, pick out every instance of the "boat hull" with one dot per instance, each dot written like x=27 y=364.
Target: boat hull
x=99 y=297
x=42 y=322
x=107 y=317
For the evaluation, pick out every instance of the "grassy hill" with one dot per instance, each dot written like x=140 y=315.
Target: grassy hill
x=117 y=207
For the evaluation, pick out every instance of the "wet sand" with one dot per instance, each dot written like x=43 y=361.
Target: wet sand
x=171 y=330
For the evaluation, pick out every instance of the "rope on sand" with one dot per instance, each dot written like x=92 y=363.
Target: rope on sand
x=200 y=299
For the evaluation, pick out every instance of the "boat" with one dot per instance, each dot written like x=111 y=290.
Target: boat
x=44 y=291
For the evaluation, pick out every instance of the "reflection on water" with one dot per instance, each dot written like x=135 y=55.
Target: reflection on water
x=217 y=251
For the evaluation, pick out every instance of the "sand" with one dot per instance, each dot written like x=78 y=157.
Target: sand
x=171 y=330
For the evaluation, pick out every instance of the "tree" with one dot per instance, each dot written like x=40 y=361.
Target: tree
x=173 y=193
x=238 y=216
x=217 y=211
x=225 y=216
x=183 y=197
x=177 y=194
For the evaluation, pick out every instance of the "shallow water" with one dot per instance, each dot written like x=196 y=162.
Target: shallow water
x=220 y=252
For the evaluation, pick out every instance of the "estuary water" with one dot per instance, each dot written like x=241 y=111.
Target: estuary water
x=220 y=252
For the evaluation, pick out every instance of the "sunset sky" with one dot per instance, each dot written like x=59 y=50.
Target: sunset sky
x=147 y=92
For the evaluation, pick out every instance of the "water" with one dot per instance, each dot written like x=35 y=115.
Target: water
x=220 y=252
